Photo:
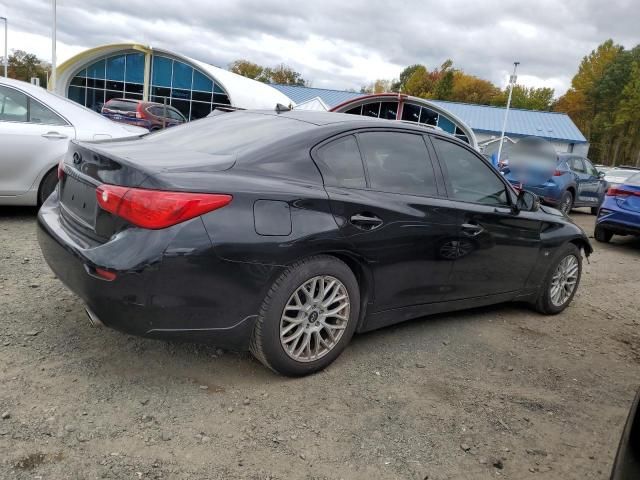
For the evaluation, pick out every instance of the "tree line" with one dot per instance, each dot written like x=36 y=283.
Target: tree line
x=452 y=84
x=604 y=102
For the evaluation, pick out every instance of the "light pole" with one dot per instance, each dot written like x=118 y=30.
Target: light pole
x=6 y=58
x=52 y=79
x=512 y=82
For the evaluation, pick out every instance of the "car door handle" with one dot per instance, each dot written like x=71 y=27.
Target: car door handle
x=472 y=229
x=54 y=135
x=366 y=221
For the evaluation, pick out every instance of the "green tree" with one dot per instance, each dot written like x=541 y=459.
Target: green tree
x=400 y=84
x=528 y=98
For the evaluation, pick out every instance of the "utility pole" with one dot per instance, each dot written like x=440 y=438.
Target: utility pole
x=52 y=78
x=512 y=82
x=6 y=57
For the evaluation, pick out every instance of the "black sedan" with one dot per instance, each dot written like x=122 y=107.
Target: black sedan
x=287 y=232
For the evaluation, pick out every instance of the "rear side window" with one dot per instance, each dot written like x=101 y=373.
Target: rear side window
x=341 y=164
x=398 y=163
x=471 y=179
x=38 y=113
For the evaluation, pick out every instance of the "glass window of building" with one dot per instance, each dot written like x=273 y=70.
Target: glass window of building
x=178 y=84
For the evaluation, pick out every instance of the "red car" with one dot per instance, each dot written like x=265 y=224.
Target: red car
x=151 y=115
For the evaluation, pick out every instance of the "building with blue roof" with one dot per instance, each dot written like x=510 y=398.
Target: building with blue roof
x=484 y=120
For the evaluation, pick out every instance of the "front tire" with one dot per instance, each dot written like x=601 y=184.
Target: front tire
x=47 y=186
x=602 y=235
x=561 y=282
x=566 y=202
x=308 y=317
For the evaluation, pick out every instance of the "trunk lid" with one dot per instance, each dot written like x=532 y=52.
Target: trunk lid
x=129 y=163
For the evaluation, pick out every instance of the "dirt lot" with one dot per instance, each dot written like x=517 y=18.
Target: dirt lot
x=499 y=391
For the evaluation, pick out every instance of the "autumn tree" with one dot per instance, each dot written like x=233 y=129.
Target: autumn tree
x=25 y=66
x=471 y=89
x=247 y=69
x=281 y=74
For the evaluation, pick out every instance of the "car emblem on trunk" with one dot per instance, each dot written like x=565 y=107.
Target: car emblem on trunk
x=77 y=158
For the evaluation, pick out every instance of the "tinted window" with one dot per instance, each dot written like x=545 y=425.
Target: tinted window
x=398 y=162
x=341 y=164
x=471 y=179
x=38 y=113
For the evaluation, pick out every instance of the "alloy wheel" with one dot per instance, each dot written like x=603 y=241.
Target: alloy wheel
x=565 y=207
x=314 y=318
x=564 y=280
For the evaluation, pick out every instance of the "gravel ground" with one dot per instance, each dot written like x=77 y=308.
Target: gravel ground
x=498 y=391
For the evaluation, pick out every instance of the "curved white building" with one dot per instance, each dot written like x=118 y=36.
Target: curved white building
x=132 y=70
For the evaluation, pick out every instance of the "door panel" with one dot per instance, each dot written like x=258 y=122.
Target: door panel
x=500 y=249
x=587 y=183
x=27 y=149
x=497 y=248
x=403 y=250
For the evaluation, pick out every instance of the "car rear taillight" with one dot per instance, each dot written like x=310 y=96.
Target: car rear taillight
x=621 y=192
x=558 y=173
x=155 y=209
x=139 y=113
x=61 y=170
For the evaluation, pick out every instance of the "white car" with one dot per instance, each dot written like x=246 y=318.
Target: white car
x=618 y=175
x=35 y=129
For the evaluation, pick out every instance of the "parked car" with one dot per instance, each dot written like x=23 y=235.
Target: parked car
x=266 y=230
x=626 y=465
x=574 y=183
x=35 y=129
x=620 y=211
x=150 y=115
x=618 y=175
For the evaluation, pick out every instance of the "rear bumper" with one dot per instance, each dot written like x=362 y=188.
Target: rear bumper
x=169 y=283
x=618 y=220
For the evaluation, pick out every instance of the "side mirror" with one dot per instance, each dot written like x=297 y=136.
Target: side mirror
x=527 y=201
x=601 y=174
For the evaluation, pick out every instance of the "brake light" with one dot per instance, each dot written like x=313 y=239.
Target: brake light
x=105 y=274
x=621 y=192
x=139 y=113
x=155 y=209
x=558 y=173
x=60 y=170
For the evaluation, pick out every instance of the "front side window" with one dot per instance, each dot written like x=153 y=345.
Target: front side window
x=14 y=105
x=577 y=165
x=398 y=163
x=471 y=179
x=341 y=164
x=590 y=168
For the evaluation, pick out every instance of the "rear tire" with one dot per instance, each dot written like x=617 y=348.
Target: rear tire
x=566 y=202
x=602 y=234
x=47 y=186
x=561 y=282
x=317 y=302
x=594 y=211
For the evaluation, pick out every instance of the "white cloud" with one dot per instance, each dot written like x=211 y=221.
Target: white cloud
x=338 y=44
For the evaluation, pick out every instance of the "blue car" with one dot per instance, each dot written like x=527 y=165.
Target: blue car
x=574 y=183
x=620 y=211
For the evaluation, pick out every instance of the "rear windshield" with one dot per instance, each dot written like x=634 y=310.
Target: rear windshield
x=231 y=133
x=621 y=173
x=121 y=105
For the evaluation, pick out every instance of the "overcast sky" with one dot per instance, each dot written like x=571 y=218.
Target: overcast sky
x=343 y=43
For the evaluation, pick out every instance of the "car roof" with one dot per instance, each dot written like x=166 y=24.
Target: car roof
x=76 y=114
